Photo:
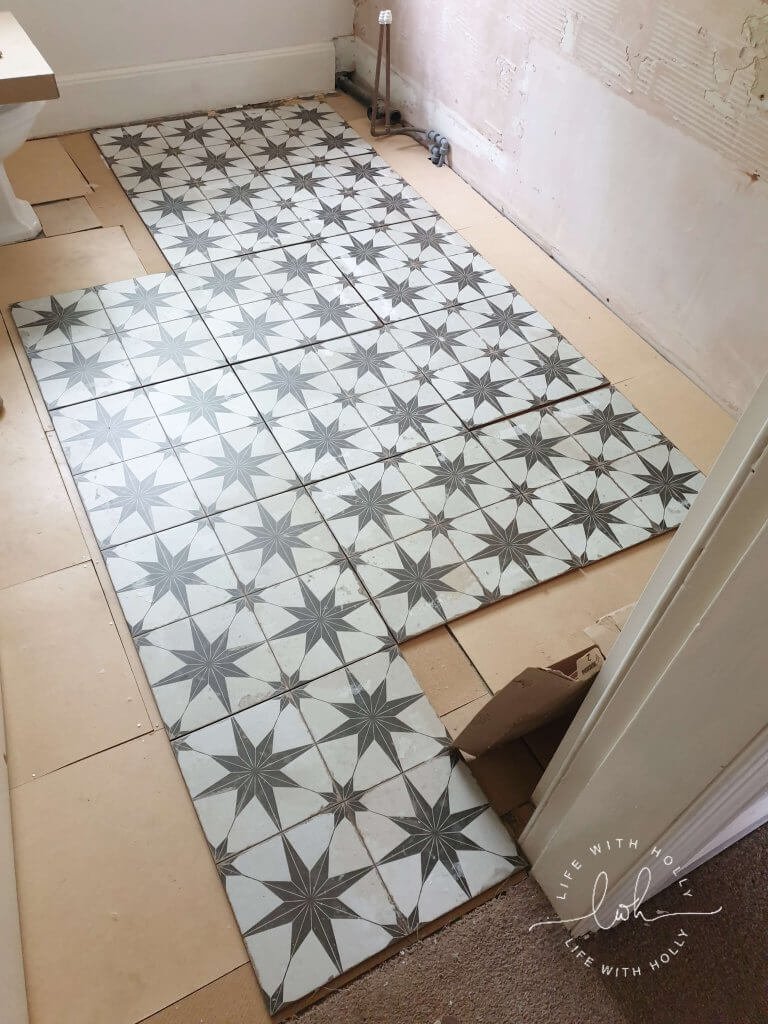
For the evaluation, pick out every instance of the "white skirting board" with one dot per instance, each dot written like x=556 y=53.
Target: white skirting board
x=123 y=95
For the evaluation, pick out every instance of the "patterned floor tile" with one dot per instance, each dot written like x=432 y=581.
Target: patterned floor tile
x=506 y=320
x=188 y=244
x=508 y=547
x=330 y=313
x=363 y=172
x=533 y=449
x=366 y=362
x=592 y=516
x=400 y=294
x=309 y=905
x=298 y=268
x=275 y=539
x=215 y=163
x=319 y=622
x=327 y=215
x=362 y=253
x=418 y=582
x=130 y=140
x=148 y=171
x=170 y=575
x=193 y=133
x=108 y=430
x=145 y=301
x=247 y=121
x=268 y=225
x=231 y=469
x=208 y=666
x=202 y=405
x=254 y=329
x=407 y=416
x=454 y=477
x=130 y=499
x=238 y=194
x=62 y=319
x=606 y=425
x=369 y=507
x=555 y=370
x=441 y=339
x=434 y=839
x=371 y=721
x=661 y=481
x=326 y=441
x=465 y=276
x=252 y=775
x=223 y=284
x=288 y=383
x=161 y=352
x=429 y=238
x=483 y=390
x=172 y=207
x=396 y=204
x=82 y=370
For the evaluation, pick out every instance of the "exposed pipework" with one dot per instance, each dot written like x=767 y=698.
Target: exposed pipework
x=383 y=119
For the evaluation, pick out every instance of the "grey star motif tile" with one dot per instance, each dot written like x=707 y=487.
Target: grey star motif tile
x=131 y=499
x=400 y=294
x=254 y=329
x=364 y=253
x=440 y=339
x=248 y=121
x=287 y=383
x=223 y=284
x=205 y=667
x=305 y=181
x=147 y=172
x=465 y=276
x=328 y=215
x=298 y=268
x=366 y=362
x=310 y=114
x=533 y=449
x=372 y=721
x=454 y=477
x=330 y=313
x=555 y=370
x=274 y=148
x=239 y=194
x=82 y=370
x=215 y=163
x=508 y=547
x=170 y=575
x=201 y=405
x=325 y=441
x=366 y=171
x=429 y=238
x=275 y=539
x=319 y=622
x=193 y=133
x=253 y=775
x=145 y=301
x=130 y=140
x=161 y=352
x=396 y=205
x=591 y=515
x=483 y=390
x=173 y=206
x=506 y=320
x=408 y=415
x=369 y=506
x=231 y=469
x=434 y=839
x=267 y=225
x=57 y=320
x=200 y=241
x=418 y=582
x=309 y=905
x=606 y=425
x=108 y=430
x=661 y=481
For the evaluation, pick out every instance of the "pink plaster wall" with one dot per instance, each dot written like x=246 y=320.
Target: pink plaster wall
x=628 y=137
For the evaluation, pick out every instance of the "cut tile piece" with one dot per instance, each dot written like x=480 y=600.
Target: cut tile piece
x=274 y=539
x=231 y=469
x=86 y=369
x=326 y=441
x=202 y=405
x=454 y=477
x=591 y=516
x=434 y=839
x=108 y=430
x=508 y=547
x=661 y=481
x=161 y=352
x=287 y=383
x=554 y=369
x=370 y=506
x=318 y=622
x=252 y=775
x=533 y=449
x=130 y=499
x=310 y=905
x=407 y=416
x=56 y=320
x=170 y=575
x=143 y=301
x=206 y=667
x=371 y=721
x=606 y=425
x=418 y=582
x=485 y=389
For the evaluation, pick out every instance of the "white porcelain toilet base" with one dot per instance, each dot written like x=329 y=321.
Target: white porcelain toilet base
x=18 y=221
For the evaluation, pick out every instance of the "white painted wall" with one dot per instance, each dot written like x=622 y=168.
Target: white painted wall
x=628 y=138
x=144 y=58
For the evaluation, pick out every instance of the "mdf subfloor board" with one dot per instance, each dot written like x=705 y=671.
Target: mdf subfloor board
x=42 y=171
x=66 y=216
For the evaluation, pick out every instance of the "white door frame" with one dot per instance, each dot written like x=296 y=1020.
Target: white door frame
x=707 y=566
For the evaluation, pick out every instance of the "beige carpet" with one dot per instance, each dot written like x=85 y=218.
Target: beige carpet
x=487 y=967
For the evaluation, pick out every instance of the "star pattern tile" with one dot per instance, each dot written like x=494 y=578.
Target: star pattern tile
x=333 y=427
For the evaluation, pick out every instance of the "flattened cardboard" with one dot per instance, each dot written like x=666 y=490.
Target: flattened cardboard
x=535 y=696
x=24 y=74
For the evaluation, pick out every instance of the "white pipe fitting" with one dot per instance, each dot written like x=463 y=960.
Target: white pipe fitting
x=385 y=17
